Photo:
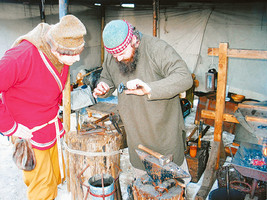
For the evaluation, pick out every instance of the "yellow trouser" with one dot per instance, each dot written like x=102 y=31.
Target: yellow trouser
x=42 y=181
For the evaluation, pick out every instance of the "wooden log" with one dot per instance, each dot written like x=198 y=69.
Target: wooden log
x=209 y=174
x=85 y=160
x=145 y=191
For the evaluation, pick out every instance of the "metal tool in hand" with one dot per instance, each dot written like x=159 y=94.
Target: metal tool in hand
x=121 y=87
x=114 y=122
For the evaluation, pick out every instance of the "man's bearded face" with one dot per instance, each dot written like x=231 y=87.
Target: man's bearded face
x=128 y=66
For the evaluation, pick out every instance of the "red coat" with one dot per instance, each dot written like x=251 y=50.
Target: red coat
x=31 y=93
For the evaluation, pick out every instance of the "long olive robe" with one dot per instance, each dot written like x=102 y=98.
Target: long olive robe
x=155 y=122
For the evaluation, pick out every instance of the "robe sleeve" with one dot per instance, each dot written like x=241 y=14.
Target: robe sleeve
x=9 y=76
x=176 y=77
x=106 y=77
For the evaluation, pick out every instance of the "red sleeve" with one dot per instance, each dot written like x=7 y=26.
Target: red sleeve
x=9 y=76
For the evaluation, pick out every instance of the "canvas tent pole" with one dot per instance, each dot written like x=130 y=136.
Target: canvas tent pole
x=66 y=93
x=155 y=17
x=102 y=28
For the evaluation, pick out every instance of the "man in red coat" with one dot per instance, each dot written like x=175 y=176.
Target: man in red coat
x=33 y=74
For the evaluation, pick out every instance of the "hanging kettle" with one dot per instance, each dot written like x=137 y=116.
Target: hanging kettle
x=211 y=80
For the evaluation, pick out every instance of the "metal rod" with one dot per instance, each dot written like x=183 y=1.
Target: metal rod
x=63 y=8
x=227 y=183
x=253 y=188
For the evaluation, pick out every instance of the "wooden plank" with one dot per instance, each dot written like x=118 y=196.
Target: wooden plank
x=240 y=53
x=226 y=117
x=256 y=119
x=221 y=87
x=256 y=107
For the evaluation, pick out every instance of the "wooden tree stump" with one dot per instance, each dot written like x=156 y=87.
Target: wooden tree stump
x=91 y=154
x=148 y=191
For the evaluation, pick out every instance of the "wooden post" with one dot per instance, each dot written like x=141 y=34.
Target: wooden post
x=102 y=28
x=220 y=94
x=66 y=123
x=217 y=146
x=155 y=17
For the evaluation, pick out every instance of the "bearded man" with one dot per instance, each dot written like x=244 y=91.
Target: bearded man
x=154 y=74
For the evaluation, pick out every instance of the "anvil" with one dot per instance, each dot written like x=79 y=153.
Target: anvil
x=159 y=172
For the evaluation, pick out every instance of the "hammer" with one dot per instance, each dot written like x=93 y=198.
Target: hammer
x=163 y=160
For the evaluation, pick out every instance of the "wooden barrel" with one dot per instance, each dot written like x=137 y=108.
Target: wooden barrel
x=91 y=154
x=143 y=190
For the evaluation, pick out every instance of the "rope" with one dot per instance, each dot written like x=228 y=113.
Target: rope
x=90 y=154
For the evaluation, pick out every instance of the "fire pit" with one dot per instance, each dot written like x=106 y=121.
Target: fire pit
x=250 y=162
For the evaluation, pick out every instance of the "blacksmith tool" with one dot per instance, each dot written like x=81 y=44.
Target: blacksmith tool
x=77 y=112
x=191 y=134
x=201 y=134
x=121 y=87
x=114 y=122
x=158 y=172
x=98 y=131
x=92 y=127
x=200 y=129
x=162 y=159
x=101 y=119
x=188 y=139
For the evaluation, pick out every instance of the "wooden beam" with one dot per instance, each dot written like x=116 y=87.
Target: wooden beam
x=208 y=114
x=256 y=107
x=66 y=123
x=256 y=119
x=236 y=53
x=220 y=94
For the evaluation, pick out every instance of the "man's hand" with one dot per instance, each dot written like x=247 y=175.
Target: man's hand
x=23 y=132
x=137 y=87
x=101 y=89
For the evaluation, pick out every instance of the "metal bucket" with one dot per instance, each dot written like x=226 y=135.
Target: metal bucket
x=97 y=189
x=221 y=194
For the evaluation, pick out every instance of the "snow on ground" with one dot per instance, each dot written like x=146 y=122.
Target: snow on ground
x=12 y=186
